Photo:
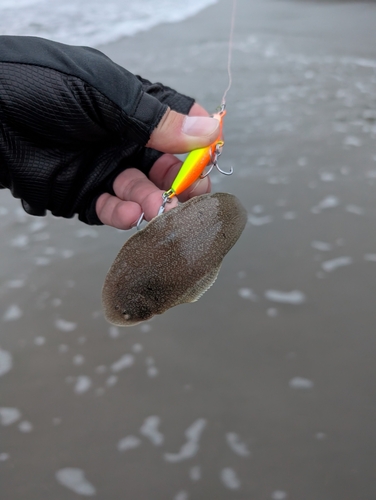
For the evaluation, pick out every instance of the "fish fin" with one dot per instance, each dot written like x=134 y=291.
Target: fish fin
x=203 y=285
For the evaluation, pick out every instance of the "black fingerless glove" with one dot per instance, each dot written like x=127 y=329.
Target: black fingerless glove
x=70 y=121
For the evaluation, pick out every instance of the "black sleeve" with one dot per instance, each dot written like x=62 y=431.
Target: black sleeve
x=70 y=121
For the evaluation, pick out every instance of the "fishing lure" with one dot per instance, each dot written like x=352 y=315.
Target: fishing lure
x=196 y=162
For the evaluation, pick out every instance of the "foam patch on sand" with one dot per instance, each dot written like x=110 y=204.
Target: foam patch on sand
x=74 y=479
x=6 y=362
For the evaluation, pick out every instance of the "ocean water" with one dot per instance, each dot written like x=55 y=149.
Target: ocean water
x=91 y=22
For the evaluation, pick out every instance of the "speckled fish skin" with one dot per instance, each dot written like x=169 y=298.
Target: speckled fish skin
x=173 y=260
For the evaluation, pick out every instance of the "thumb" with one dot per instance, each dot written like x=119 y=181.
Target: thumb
x=177 y=133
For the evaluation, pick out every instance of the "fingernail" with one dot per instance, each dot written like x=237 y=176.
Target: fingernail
x=199 y=125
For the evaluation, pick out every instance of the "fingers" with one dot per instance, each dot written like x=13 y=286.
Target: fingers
x=177 y=133
x=134 y=194
x=133 y=185
x=117 y=213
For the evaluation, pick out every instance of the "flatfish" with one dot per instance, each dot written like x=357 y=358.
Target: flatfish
x=173 y=260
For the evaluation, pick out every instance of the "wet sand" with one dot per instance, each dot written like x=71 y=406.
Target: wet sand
x=263 y=389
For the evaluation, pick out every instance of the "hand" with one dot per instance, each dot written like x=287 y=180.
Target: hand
x=135 y=193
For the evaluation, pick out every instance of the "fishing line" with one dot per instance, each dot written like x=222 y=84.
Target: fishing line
x=229 y=57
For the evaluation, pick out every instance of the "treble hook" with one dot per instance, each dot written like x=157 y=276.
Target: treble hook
x=214 y=160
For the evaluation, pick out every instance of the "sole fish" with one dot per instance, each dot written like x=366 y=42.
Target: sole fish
x=175 y=259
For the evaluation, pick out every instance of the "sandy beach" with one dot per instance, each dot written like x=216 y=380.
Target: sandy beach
x=264 y=388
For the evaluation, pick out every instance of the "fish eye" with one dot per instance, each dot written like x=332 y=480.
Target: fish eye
x=126 y=316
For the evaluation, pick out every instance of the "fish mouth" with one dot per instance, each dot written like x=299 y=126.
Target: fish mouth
x=126 y=320
x=132 y=322
x=135 y=321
